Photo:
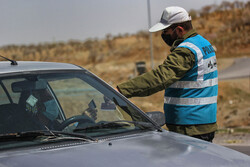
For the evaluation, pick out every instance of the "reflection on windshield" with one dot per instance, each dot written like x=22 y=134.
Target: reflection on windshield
x=63 y=102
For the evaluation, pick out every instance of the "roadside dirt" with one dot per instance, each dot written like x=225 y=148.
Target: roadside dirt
x=234 y=138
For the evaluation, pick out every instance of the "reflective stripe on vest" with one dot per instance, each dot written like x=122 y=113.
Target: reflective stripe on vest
x=195 y=84
x=199 y=58
x=190 y=101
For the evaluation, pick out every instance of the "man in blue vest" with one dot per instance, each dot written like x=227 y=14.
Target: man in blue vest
x=188 y=75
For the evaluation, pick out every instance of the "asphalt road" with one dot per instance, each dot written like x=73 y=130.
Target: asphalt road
x=239 y=69
x=243 y=149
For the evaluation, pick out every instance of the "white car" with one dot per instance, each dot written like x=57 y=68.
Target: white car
x=58 y=114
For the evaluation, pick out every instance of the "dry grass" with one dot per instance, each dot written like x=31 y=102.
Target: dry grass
x=233 y=103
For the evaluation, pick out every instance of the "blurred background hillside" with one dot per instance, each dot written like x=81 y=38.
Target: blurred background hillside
x=226 y=26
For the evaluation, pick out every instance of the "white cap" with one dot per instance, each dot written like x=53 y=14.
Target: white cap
x=171 y=15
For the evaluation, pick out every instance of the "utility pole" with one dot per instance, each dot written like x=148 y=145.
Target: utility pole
x=150 y=36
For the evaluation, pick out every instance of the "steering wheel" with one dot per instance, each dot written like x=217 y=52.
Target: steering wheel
x=77 y=118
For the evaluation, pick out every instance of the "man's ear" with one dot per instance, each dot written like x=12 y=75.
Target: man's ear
x=180 y=31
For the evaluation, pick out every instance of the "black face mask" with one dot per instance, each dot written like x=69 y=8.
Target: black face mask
x=167 y=38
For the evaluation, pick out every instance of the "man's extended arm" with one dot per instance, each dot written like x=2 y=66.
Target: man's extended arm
x=173 y=68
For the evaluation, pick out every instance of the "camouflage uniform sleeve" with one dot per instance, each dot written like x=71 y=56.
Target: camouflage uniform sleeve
x=172 y=69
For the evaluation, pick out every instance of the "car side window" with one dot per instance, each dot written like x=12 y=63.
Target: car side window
x=3 y=97
x=15 y=96
x=74 y=95
x=77 y=97
x=6 y=88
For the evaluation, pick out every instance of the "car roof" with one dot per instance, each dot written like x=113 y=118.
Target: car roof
x=22 y=66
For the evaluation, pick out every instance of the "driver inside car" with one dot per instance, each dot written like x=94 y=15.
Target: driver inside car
x=41 y=105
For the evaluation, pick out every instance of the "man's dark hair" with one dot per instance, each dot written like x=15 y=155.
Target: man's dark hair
x=187 y=25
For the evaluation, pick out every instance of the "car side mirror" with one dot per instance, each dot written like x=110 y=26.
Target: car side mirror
x=157 y=116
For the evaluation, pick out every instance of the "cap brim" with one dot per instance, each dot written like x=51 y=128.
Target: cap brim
x=159 y=26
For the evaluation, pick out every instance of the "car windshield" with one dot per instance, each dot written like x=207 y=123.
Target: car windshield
x=69 y=102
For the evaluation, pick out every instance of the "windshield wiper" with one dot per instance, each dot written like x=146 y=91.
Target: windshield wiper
x=115 y=124
x=72 y=136
x=54 y=135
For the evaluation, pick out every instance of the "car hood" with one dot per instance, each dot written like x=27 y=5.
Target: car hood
x=146 y=149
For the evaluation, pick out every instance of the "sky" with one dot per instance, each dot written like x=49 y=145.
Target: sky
x=39 y=21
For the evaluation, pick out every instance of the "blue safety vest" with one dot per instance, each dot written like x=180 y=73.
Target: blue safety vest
x=193 y=99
